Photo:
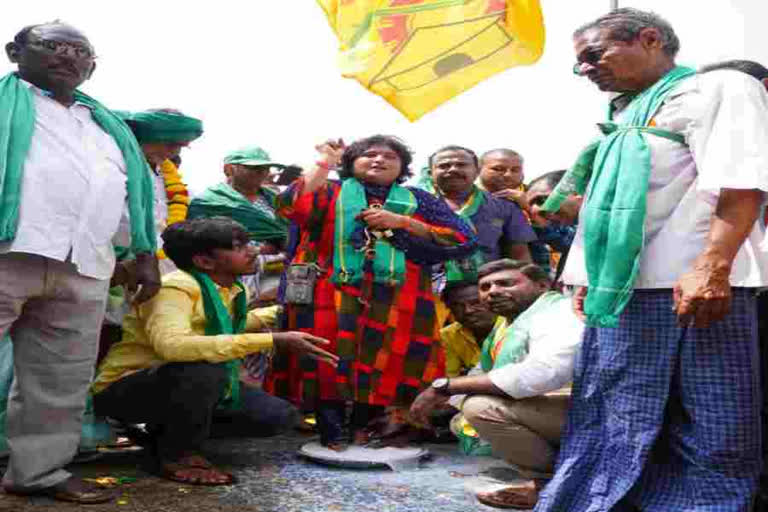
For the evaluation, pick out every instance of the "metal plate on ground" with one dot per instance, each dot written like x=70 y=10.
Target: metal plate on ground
x=360 y=457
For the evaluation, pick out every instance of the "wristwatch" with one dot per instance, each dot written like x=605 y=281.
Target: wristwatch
x=441 y=385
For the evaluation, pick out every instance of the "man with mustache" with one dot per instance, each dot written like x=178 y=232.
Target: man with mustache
x=502 y=229
x=669 y=256
x=68 y=166
x=514 y=398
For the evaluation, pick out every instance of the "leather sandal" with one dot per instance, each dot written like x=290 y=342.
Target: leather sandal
x=199 y=471
x=523 y=496
x=73 y=490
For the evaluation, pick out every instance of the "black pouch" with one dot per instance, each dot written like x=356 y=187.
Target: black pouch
x=300 y=283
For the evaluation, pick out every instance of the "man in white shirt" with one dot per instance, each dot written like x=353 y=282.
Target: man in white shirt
x=516 y=402
x=666 y=399
x=70 y=165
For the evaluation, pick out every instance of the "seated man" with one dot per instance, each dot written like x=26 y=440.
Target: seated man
x=517 y=402
x=463 y=339
x=177 y=367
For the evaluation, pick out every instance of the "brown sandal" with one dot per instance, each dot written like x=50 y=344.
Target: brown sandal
x=523 y=496
x=198 y=471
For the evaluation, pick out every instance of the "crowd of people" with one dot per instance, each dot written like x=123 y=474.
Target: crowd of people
x=596 y=327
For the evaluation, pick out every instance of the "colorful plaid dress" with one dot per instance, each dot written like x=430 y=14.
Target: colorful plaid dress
x=386 y=337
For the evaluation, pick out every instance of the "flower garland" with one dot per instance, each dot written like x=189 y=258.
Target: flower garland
x=176 y=194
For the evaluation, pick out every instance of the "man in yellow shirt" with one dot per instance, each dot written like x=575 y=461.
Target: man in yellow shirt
x=463 y=339
x=177 y=366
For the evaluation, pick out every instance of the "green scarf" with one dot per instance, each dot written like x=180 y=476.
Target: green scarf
x=511 y=346
x=389 y=262
x=218 y=321
x=223 y=200
x=159 y=126
x=17 y=123
x=466 y=269
x=617 y=168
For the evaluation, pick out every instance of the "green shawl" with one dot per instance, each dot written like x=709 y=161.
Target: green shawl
x=617 y=168
x=511 y=346
x=218 y=321
x=17 y=123
x=160 y=126
x=388 y=262
x=223 y=200
x=466 y=269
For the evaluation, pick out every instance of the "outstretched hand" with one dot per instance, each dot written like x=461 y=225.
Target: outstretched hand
x=427 y=401
x=302 y=343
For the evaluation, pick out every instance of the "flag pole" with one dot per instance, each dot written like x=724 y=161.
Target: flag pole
x=614 y=4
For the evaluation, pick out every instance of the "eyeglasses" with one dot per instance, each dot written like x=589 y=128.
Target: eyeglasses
x=591 y=57
x=52 y=47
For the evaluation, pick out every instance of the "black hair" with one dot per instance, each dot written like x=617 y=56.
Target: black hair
x=357 y=148
x=504 y=151
x=750 y=67
x=185 y=240
x=532 y=271
x=626 y=23
x=453 y=287
x=454 y=148
x=550 y=178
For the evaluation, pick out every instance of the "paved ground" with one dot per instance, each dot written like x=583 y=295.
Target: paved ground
x=272 y=478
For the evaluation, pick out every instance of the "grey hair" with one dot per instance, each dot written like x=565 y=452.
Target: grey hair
x=625 y=24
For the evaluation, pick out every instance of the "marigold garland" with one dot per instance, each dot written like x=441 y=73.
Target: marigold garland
x=176 y=194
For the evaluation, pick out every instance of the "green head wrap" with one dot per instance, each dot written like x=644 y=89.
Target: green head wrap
x=162 y=126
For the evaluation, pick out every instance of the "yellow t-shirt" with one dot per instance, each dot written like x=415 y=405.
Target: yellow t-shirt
x=170 y=327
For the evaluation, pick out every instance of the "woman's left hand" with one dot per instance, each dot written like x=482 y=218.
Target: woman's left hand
x=382 y=219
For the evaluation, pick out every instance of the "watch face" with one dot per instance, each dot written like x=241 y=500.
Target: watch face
x=440 y=383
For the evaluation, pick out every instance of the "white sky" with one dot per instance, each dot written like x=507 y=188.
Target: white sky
x=264 y=72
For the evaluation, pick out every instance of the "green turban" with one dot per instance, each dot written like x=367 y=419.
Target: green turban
x=162 y=126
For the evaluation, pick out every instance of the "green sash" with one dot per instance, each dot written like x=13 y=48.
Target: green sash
x=223 y=200
x=17 y=123
x=389 y=262
x=511 y=346
x=466 y=269
x=617 y=168
x=218 y=321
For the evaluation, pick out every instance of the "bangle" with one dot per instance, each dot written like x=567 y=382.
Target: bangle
x=323 y=165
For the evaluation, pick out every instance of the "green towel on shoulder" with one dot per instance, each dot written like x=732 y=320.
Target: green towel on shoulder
x=17 y=124
x=617 y=168
x=223 y=200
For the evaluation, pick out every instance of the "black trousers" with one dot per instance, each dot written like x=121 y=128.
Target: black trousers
x=178 y=401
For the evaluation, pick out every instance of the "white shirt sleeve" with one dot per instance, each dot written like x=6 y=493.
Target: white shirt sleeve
x=555 y=337
x=728 y=132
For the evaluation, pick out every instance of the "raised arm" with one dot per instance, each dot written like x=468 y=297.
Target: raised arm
x=329 y=156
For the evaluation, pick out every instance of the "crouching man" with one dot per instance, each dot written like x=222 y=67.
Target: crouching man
x=515 y=398
x=178 y=364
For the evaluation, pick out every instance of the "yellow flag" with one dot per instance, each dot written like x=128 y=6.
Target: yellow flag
x=417 y=54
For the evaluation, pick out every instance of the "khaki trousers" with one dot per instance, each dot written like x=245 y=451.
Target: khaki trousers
x=523 y=432
x=53 y=315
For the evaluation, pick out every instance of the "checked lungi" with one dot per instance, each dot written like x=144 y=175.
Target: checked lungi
x=664 y=418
